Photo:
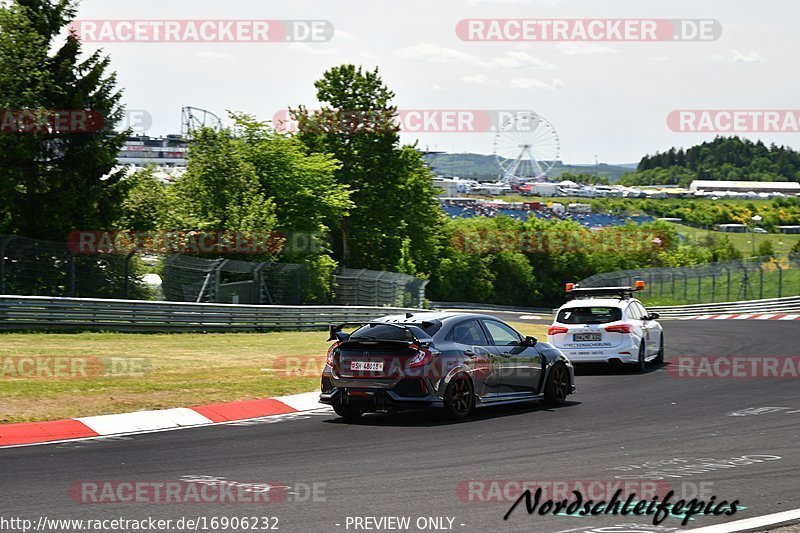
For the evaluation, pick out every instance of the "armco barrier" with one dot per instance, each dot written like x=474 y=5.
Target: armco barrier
x=51 y=313
x=771 y=305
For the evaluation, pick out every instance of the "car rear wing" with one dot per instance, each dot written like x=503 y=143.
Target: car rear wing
x=336 y=333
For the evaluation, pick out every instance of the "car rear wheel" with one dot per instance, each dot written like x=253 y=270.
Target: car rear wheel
x=346 y=411
x=660 y=357
x=557 y=387
x=458 y=398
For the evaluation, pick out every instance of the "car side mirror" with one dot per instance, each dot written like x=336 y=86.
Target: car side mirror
x=653 y=316
x=531 y=341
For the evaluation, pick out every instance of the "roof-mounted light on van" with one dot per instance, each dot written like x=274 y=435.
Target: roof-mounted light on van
x=639 y=286
x=570 y=286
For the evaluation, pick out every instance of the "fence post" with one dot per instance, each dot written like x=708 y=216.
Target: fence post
x=780 y=279
x=71 y=275
x=127 y=275
x=760 y=282
x=672 y=274
x=713 y=286
x=3 y=243
x=699 y=285
x=685 y=286
x=728 y=294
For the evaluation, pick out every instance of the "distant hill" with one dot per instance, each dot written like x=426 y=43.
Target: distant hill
x=484 y=167
x=724 y=158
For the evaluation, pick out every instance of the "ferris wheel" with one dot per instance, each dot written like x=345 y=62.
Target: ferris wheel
x=526 y=148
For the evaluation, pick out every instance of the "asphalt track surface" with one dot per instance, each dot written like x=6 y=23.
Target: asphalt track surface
x=646 y=426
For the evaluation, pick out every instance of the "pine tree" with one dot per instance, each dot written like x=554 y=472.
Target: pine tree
x=54 y=177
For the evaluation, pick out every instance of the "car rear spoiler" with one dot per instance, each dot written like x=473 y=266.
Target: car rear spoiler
x=336 y=333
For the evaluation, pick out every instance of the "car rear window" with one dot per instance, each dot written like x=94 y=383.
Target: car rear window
x=589 y=315
x=393 y=333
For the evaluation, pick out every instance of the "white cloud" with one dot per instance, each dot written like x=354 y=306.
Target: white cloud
x=344 y=35
x=312 y=50
x=477 y=79
x=519 y=59
x=435 y=53
x=216 y=55
x=437 y=87
x=735 y=56
x=581 y=48
x=533 y=83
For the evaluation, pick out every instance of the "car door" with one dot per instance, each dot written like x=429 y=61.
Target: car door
x=520 y=365
x=479 y=355
x=653 y=330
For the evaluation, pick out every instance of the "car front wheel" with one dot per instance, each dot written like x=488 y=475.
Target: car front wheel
x=641 y=364
x=557 y=387
x=660 y=357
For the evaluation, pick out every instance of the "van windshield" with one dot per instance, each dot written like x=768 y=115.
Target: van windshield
x=589 y=315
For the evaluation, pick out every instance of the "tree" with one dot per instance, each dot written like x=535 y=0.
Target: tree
x=55 y=177
x=395 y=209
x=252 y=179
x=146 y=205
x=765 y=249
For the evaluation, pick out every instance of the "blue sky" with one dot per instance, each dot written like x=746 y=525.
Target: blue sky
x=604 y=99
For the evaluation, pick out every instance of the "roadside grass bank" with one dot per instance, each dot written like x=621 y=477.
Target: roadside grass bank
x=47 y=376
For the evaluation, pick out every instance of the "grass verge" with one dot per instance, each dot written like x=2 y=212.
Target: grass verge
x=46 y=376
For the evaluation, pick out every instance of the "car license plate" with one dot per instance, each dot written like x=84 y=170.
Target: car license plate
x=376 y=366
x=586 y=337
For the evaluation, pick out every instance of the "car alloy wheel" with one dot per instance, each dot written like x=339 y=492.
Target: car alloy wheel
x=458 y=398
x=641 y=364
x=557 y=387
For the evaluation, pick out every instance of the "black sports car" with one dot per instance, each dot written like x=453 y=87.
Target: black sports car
x=453 y=361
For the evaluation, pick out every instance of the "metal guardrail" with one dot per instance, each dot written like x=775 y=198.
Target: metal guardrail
x=770 y=305
x=468 y=306
x=55 y=313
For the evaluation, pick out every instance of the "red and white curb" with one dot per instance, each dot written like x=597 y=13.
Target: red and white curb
x=149 y=421
x=746 y=316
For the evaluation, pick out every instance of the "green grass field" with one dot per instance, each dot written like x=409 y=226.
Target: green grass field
x=171 y=370
x=781 y=243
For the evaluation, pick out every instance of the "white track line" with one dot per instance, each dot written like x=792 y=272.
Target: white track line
x=750 y=523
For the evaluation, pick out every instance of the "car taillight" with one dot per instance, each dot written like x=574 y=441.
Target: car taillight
x=329 y=358
x=555 y=330
x=620 y=328
x=421 y=358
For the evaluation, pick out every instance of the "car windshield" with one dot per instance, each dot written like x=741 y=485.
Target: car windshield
x=394 y=333
x=589 y=315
